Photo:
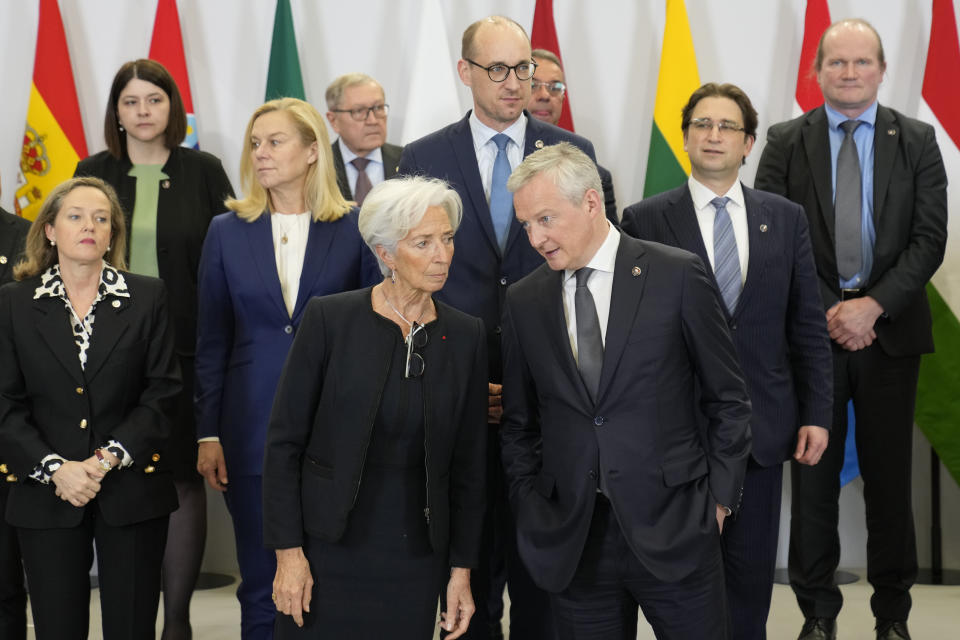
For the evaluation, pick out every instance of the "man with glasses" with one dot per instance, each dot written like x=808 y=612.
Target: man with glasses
x=758 y=247
x=476 y=155
x=546 y=105
x=357 y=111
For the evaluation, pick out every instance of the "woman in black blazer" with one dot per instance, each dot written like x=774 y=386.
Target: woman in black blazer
x=374 y=465
x=88 y=378
x=169 y=195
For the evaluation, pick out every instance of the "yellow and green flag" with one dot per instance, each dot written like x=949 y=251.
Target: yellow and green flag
x=667 y=163
x=53 y=140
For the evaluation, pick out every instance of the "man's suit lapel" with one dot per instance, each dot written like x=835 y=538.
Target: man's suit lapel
x=816 y=143
x=319 y=239
x=462 y=143
x=550 y=304
x=341 y=170
x=629 y=278
x=390 y=154
x=884 y=153
x=260 y=236
x=759 y=236
x=54 y=328
x=108 y=328
x=681 y=218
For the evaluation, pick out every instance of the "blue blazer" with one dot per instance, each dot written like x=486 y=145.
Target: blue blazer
x=479 y=275
x=243 y=329
x=778 y=326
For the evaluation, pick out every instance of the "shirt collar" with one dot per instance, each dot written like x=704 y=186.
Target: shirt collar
x=605 y=259
x=835 y=118
x=112 y=283
x=482 y=134
x=703 y=195
x=348 y=156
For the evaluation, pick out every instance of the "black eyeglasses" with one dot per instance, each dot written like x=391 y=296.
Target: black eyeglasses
x=553 y=88
x=498 y=72
x=360 y=114
x=416 y=339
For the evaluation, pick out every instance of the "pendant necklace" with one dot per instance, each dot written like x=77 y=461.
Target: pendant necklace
x=402 y=317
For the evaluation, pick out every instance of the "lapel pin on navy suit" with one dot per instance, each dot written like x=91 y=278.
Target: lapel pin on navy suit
x=636 y=271
x=891 y=132
x=3 y=259
x=763 y=228
x=538 y=144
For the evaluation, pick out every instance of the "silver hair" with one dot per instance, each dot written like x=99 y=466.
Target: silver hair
x=334 y=93
x=570 y=169
x=395 y=206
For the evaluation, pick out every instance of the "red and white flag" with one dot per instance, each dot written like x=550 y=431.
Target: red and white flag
x=815 y=22
x=544 y=36
x=166 y=47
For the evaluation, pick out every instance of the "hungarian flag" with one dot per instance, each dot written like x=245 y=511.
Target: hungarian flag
x=815 y=22
x=283 y=76
x=938 y=403
x=53 y=141
x=544 y=36
x=166 y=47
x=667 y=164
x=432 y=91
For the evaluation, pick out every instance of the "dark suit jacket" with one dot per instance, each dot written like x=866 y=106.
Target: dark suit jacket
x=391 y=164
x=324 y=414
x=197 y=188
x=13 y=235
x=609 y=198
x=909 y=213
x=664 y=473
x=778 y=327
x=479 y=274
x=124 y=393
x=244 y=330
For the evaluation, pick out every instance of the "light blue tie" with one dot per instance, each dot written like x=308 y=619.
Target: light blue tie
x=501 y=200
x=726 y=260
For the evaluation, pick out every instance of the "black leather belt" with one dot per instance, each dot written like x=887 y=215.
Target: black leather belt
x=851 y=294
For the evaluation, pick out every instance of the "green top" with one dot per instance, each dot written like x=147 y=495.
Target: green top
x=143 y=226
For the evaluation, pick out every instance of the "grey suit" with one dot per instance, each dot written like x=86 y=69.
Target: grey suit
x=391 y=163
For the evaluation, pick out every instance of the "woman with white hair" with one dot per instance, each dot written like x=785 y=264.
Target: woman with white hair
x=374 y=466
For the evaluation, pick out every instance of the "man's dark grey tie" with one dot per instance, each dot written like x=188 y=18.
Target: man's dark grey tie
x=847 y=207
x=589 y=340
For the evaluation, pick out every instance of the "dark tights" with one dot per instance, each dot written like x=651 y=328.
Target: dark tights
x=186 y=538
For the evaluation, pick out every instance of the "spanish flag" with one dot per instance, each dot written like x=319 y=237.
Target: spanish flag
x=53 y=141
x=667 y=163
x=166 y=47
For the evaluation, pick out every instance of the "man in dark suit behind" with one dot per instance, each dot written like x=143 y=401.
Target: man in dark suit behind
x=362 y=158
x=776 y=322
x=873 y=185
x=491 y=254
x=620 y=479
x=13 y=597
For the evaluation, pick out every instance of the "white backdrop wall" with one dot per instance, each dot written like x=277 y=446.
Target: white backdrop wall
x=611 y=49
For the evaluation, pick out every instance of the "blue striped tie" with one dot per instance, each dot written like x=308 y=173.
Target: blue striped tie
x=501 y=201
x=726 y=260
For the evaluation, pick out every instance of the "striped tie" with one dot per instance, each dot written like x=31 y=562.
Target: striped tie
x=726 y=260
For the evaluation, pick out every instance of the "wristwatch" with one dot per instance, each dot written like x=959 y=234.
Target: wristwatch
x=104 y=463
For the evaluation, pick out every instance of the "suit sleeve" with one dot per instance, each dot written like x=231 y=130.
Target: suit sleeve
x=609 y=198
x=147 y=427
x=218 y=187
x=408 y=162
x=520 y=436
x=899 y=285
x=214 y=332
x=469 y=465
x=772 y=169
x=810 y=352
x=723 y=394
x=631 y=222
x=291 y=422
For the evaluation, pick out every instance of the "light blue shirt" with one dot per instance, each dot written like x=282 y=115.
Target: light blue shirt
x=863 y=138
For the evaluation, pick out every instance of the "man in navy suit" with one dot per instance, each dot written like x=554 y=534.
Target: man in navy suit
x=625 y=416
x=776 y=322
x=475 y=155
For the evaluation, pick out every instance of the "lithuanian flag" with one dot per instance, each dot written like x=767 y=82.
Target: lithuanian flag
x=53 y=141
x=667 y=164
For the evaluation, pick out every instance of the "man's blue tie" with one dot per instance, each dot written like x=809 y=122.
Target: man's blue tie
x=726 y=260
x=501 y=200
